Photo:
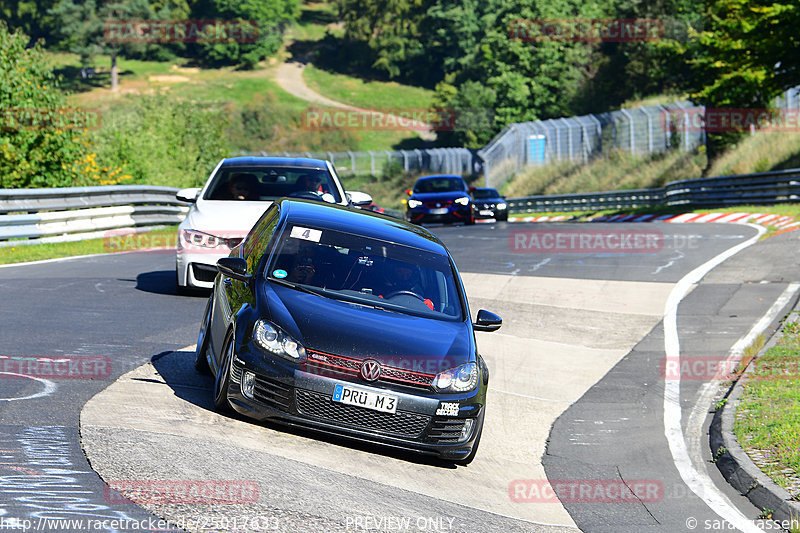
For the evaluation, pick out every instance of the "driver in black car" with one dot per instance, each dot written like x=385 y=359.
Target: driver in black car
x=401 y=277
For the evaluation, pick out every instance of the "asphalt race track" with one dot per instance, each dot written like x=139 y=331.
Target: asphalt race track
x=581 y=394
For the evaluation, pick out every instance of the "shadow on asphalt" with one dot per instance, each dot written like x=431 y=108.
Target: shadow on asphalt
x=163 y=282
x=177 y=369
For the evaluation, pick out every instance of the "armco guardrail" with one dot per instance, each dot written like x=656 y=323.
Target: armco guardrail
x=762 y=188
x=74 y=213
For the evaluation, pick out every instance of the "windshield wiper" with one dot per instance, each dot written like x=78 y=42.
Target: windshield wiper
x=297 y=286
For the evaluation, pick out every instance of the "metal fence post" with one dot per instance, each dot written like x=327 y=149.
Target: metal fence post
x=631 y=129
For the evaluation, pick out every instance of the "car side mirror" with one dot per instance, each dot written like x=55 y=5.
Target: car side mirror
x=358 y=198
x=487 y=321
x=188 y=195
x=233 y=267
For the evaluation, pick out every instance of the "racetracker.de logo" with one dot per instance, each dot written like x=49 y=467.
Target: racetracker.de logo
x=723 y=120
x=56 y=367
x=181 y=491
x=585 y=241
x=50 y=119
x=586 y=30
x=334 y=118
x=586 y=491
x=180 y=31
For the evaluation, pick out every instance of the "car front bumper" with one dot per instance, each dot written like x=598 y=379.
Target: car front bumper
x=457 y=214
x=198 y=270
x=302 y=397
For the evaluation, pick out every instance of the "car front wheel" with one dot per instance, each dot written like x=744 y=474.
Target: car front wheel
x=222 y=382
x=203 y=342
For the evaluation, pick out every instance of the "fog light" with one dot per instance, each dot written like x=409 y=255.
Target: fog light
x=466 y=431
x=248 y=384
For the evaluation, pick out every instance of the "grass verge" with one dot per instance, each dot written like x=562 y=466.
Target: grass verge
x=163 y=238
x=768 y=417
x=366 y=94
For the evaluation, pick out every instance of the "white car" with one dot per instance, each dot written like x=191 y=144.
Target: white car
x=237 y=193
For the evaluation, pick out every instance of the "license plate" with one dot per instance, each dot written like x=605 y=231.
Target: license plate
x=365 y=398
x=486 y=212
x=439 y=211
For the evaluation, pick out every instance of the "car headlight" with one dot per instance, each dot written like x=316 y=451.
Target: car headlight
x=500 y=207
x=193 y=238
x=414 y=204
x=464 y=200
x=462 y=378
x=274 y=340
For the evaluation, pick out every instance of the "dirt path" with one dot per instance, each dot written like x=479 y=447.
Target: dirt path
x=289 y=77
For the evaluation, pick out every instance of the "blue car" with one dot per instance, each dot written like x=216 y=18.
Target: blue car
x=349 y=323
x=442 y=198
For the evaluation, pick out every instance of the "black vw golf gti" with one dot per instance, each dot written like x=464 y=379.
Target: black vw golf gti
x=350 y=323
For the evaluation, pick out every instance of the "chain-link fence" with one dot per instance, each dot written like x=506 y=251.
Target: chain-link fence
x=640 y=131
x=385 y=162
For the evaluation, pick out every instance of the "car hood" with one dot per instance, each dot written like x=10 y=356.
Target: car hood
x=229 y=217
x=360 y=332
x=438 y=196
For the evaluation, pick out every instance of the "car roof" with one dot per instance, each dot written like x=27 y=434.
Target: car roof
x=247 y=161
x=373 y=225
x=440 y=176
x=485 y=189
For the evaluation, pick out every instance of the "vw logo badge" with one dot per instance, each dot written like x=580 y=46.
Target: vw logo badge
x=370 y=370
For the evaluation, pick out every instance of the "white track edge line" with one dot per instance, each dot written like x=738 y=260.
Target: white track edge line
x=699 y=484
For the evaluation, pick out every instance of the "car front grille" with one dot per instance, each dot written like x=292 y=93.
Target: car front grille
x=436 y=205
x=236 y=374
x=322 y=407
x=272 y=392
x=445 y=431
x=331 y=364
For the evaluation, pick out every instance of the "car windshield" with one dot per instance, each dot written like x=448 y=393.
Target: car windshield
x=350 y=267
x=480 y=194
x=267 y=183
x=443 y=184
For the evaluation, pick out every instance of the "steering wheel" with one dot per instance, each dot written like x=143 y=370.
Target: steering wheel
x=408 y=293
x=309 y=195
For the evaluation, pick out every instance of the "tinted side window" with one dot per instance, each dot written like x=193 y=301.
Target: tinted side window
x=259 y=238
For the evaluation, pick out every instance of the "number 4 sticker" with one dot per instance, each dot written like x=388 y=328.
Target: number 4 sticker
x=306 y=234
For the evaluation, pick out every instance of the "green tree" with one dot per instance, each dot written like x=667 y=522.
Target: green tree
x=42 y=143
x=30 y=16
x=513 y=75
x=748 y=53
x=82 y=28
x=269 y=16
